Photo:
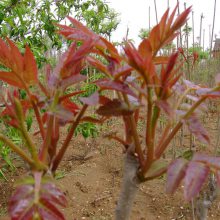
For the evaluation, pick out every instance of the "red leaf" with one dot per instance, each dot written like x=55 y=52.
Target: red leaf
x=17 y=61
x=30 y=68
x=196 y=174
x=103 y=100
x=145 y=49
x=70 y=106
x=134 y=58
x=122 y=71
x=171 y=63
x=161 y=60
x=175 y=174
x=71 y=62
x=5 y=54
x=23 y=68
x=181 y=19
x=98 y=65
x=11 y=78
x=81 y=27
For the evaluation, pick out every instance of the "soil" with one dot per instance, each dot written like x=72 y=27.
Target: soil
x=91 y=174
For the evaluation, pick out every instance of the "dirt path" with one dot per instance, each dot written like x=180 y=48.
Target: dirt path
x=91 y=175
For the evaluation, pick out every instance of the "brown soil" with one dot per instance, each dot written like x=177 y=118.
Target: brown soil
x=92 y=174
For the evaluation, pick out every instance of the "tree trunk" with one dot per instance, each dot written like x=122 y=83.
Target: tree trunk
x=204 y=203
x=129 y=188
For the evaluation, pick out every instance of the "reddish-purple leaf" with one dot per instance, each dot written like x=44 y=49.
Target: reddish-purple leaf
x=65 y=114
x=91 y=100
x=197 y=129
x=211 y=161
x=50 y=210
x=191 y=85
x=56 y=194
x=196 y=174
x=115 y=108
x=175 y=174
x=46 y=214
x=165 y=106
x=67 y=96
x=29 y=213
x=192 y=97
x=208 y=92
x=36 y=197
x=72 y=80
x=115 y=85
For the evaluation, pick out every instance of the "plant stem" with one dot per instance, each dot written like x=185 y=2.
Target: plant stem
x=128 y=189
x=133 y=124
x=138 y=149
x=17 y=150
x=26 y=137
x=149 y=140
x=39 y=120
x=60 y=154
x=47 y=140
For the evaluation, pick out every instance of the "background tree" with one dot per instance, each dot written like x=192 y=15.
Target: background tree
x=143 y=33
x=32 y=22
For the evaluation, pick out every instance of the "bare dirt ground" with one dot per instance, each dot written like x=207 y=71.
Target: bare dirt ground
x=91 y=173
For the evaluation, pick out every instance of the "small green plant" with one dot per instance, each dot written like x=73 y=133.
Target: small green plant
x=5 y=155
x=87 y=129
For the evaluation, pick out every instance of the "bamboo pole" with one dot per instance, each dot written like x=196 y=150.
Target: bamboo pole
x=155 y=6
x=180 y=35
x=149 y=18
x=200 y=32
x=193 y=30
x=213 y=26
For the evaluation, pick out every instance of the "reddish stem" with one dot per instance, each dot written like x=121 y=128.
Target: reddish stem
x=47 y=140
x=63 y=149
